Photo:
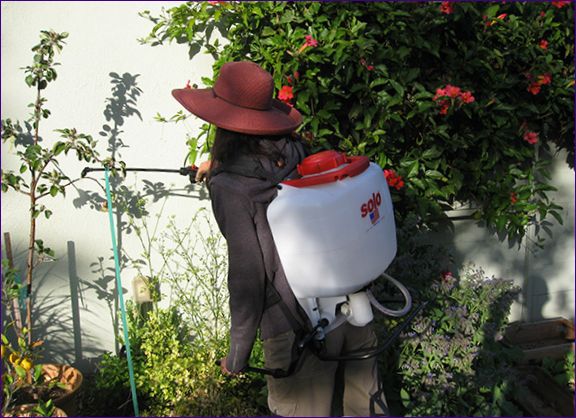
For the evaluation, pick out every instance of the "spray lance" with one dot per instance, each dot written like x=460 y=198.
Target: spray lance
x=189 y=171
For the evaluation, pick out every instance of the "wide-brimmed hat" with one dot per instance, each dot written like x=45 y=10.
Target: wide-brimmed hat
x=241 y=101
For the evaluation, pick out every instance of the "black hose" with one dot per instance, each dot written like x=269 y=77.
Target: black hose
x=363 y=354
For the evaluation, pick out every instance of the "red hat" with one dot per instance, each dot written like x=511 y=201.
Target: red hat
x=241 y=101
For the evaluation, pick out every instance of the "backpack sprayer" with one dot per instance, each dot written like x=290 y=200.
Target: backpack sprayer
x=335 y=234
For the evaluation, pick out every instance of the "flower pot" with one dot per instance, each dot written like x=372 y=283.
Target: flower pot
x=27 y=410
x=551 y=338
x=72 y=379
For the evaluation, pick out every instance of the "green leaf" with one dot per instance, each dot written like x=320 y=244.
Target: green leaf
x=399 y=89
x=491 y=11
x=20 y=371
x=30 y=80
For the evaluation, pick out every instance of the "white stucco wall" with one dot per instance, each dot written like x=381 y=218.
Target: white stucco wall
x=103 y=40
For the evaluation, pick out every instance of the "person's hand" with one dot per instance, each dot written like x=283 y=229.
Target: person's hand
x=224 y=369
x=202 y=171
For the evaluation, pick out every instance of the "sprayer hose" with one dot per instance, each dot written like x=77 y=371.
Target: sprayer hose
x=387 y=311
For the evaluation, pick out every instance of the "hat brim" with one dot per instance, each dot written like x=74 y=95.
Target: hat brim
x=279 y=119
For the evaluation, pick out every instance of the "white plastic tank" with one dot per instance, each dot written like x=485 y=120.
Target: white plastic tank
x=334 y=227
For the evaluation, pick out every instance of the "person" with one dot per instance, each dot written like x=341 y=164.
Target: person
x=256 y=147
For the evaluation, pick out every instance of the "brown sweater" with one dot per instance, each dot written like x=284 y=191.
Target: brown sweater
x=239 y=203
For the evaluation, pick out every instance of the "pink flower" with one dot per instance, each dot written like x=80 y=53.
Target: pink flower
x=366 y=65
x=452 y=91
x=451 y=95
x=467 y=97
x=215 y=3
x=531 y=137
x=543 y=44
x=494 y=21
x=440 y=92
x=286 y=94
x=446 y=7
x=393 y=179
x=310 y=41
x=444 y=107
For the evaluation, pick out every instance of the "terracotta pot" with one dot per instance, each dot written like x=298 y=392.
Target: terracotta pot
x=27 y=410
x=71 y=377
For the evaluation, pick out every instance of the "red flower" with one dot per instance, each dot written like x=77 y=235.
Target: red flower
x=310 y=41
x=467 y=97
x=513 y=198
x=560 y=4
x=444 y=107
x=393 y=179
x=366 y=65
x=494 y=21
x=541 y=80
x=452 y=91
x=449 y=95
x=545 y=79
x=534 y=88
x=286 y=94
x=446 y=7
x=543 y=44
x=531 y=137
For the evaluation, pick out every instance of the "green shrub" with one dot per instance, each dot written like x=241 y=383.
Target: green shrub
x=177 y=338
x=452 y=364
x=465 y=104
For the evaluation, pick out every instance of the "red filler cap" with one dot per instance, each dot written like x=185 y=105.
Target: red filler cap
x=328 y=167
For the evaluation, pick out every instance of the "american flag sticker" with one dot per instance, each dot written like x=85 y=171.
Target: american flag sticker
x=375 y=215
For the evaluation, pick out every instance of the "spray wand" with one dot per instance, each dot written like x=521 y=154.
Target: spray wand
x=189 y=171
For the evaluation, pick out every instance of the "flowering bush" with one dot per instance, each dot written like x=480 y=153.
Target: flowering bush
x=452 y=364
x=464 y=101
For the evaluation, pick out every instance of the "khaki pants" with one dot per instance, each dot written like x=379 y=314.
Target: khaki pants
x=310 y=391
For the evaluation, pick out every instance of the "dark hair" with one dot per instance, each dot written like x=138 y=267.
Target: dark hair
x=230 y=145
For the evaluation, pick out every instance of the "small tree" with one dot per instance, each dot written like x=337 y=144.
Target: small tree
x=40 y=175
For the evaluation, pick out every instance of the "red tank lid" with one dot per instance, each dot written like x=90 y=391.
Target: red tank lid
x=321 y=162
x=328 y=167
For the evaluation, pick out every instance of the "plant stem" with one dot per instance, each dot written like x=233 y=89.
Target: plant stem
x=32 y=236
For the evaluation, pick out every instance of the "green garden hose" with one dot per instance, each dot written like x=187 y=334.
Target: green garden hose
x=121 y=297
